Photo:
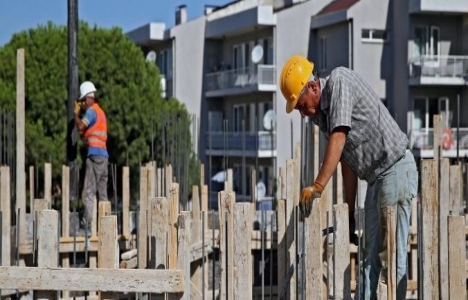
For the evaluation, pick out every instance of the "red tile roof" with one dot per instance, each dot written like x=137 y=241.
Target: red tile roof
x=337 y=5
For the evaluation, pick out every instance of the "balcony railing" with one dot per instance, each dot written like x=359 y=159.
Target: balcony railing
x=256 y=75
x=262 y=140
x=439 y=66
x=424 y=139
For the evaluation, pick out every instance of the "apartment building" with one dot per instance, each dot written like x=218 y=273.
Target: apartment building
x=224 y=66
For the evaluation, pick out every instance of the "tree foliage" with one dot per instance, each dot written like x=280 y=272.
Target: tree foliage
x=128 y=91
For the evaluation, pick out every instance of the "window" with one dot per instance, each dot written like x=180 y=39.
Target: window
x=374 y=35
x=164 y=62
x=426 y=41
x=323 y=53
x=241 y=112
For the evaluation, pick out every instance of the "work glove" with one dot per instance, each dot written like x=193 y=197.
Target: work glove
x=77 y=107
x=307 y=197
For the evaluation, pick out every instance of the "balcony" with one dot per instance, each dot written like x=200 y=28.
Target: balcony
x=437 y=6
x=439 y=70
x=422 y=142
x=248 y=144
x=259 y=78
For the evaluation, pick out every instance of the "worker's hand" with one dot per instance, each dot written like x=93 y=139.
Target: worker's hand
x=307 y=197
x=77 y=107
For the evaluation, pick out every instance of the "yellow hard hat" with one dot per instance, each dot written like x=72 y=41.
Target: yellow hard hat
x=294 y=76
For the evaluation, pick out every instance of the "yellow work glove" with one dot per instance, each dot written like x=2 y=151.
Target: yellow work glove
x=77 y=107
x=307 y=197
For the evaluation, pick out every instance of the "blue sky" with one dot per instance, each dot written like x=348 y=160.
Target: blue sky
x=19 y=15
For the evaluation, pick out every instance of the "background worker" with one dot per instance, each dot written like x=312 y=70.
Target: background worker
x=93 y=127
x=366 y=139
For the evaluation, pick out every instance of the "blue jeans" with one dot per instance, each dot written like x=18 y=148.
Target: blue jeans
x=396 y=187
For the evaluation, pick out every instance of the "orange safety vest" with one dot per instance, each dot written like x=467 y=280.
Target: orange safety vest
x=96 y=135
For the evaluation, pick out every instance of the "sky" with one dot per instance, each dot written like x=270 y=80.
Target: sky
x=19 y=15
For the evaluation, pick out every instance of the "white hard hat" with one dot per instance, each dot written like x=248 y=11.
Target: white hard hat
x=86 y=88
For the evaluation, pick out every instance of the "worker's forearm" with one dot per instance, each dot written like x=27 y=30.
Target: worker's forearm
x=79 y=124
x=332 y=156
x=350 y=186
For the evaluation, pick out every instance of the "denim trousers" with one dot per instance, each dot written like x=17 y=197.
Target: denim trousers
x=95 y=181
x=395 y=187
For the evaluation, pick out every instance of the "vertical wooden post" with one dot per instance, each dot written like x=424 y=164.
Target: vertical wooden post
x=444 y=211
x=430 y=245
x=20 y=144
x=159 y=226
x=339 y=185
x=204 y=199
x=456 y=257
x=143 y=226
x=281 y=243
x=126 y=202
x=47 y=245
x=31 y=186
x=242 y=251
x=160 y=183
x=108 y=247
x=168 y=182
x=455 y=190
x=65 y=216
x=183 y=248
x=282 y=175
x=291 y=186
x=173 y=214
x=6 y=214
x=151 y=180
x=202 y=175
x=253 y=180
x=313 y=250
x=342 y=284
x=437 y=140
x=391 y=253
x=226 y=200
x=228 y=184
x=197 y=274
x=48 y=183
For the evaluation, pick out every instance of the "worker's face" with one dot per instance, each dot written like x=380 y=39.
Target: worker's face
x=308 y=103
x=88 y=101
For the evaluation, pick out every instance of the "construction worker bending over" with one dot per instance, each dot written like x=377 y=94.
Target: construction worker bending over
x=366 y=139
x=93 y=127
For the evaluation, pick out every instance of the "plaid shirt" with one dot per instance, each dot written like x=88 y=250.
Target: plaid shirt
x=374 y=141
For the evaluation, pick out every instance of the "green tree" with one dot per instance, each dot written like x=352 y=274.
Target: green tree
x=128 y=91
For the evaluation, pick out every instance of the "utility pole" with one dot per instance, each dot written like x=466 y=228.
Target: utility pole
x=72 y=134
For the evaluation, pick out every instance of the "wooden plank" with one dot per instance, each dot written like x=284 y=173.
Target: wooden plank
x=20 y=144
x=183 y=249
x=456 y=257
x=168 y=175
x=173 y=215
x=160 y=182
x=196 y=235
x=290 y=225
x=31 y=186
x=456 y=183
x=444 y=211
x=339 y=185
x=126 y=202
x=83 y=279
x=6 y=214
x=48 y=183
x=65 y=201
x=313 y=250
x=229 y=183
x=65 y=215
x=151 y=180
x=143 y=224
x=204 y=198
x=281 y=241
x=196 y=216
x=391 y=252
x=430 y=244
x=105 y=209
x=342 y=280
x=108 y=247
x=47 y=245
x=242 y=283
x=226 y=202
x=437 y=140
x=282 y=175
x=159 y=231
